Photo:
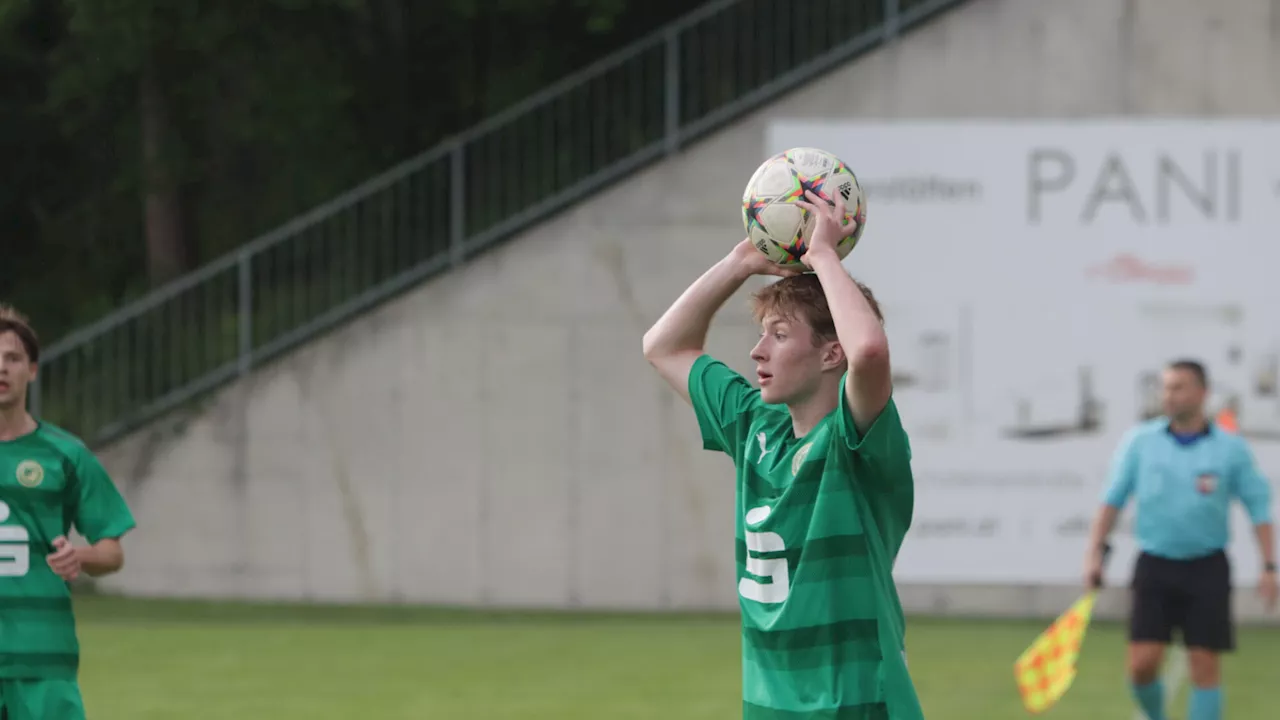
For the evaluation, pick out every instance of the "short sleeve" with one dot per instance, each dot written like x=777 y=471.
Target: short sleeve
x=100 y=509
x=885 y=446
x=1251 y=486
x=1123 y=474
x=724 y=403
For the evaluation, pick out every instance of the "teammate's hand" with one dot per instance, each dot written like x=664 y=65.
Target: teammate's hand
x=755 y=262
x=829 y=227
x=64 y=560
x=1093 y=570
x=1268 y=590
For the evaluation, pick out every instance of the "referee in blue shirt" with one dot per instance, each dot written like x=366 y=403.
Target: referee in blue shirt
x=1183 y=472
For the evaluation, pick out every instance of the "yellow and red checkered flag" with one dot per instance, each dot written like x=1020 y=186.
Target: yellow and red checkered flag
x=1046 y=670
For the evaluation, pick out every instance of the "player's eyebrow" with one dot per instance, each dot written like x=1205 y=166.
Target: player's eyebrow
x=775 y=323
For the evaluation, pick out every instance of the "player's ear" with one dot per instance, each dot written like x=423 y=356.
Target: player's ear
x=833 y=355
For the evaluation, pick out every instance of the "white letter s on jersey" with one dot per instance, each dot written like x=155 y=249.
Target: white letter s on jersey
x=775 y=569
x=15 y=553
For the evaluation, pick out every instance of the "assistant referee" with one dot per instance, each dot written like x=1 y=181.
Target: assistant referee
x=1183 y=471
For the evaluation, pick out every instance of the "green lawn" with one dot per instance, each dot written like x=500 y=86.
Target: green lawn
x=197 y=661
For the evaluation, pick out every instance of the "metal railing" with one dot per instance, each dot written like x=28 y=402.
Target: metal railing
x=430 y=213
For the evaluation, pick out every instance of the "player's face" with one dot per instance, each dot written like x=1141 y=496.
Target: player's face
x=1182 y=396
x=16 y=371
x=788 y=364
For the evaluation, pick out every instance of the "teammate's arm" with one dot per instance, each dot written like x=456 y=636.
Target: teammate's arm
x=101 y=515
x=866 y=348
x=677 y=340
x=101 y=558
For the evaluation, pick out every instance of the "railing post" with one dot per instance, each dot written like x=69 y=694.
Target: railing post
x=672 y=87
x=457 y=205
x=244 y=266
x=891 y=8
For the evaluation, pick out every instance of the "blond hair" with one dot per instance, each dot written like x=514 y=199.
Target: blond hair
x=801 y=297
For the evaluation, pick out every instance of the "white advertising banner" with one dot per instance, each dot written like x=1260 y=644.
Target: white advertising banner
x=1035 y=277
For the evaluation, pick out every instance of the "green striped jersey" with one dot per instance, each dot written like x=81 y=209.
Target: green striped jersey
x=820 y=520
x=49 y=482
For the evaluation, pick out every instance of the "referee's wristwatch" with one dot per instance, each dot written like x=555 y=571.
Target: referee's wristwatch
x=1269 y=567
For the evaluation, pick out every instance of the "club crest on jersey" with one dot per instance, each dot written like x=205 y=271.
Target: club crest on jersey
x=799 y=458
x=30 y=474
x=1207 y=483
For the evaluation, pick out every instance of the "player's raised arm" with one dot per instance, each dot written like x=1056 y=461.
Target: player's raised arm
x=678 y=338
x=858 y=327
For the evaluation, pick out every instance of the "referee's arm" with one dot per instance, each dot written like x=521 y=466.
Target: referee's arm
x=1255 y=494
x=1123 y=478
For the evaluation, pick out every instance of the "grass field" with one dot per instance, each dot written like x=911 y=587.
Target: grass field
x=197 y=661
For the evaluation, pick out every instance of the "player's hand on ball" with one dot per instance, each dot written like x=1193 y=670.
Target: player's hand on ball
x=1268 y=590
x=755 y=262
x=829 y=228
x=64 y=560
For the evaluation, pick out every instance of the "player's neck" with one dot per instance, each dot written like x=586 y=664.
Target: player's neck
x=1189 y=426
x=15 y=422
x=806 y=414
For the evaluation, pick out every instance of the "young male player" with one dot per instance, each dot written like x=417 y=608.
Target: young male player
x=49 y=482
x=1184 y=472
x=824 y=483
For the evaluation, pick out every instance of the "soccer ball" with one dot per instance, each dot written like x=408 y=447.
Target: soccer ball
x=776 y=225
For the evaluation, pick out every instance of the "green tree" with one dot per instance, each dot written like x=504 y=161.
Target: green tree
x=182 y=89
x=144 y=137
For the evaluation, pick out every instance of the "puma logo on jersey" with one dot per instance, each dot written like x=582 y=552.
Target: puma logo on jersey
x=764 y=450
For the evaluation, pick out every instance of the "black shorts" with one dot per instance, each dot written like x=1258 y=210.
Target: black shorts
x=1192 y=596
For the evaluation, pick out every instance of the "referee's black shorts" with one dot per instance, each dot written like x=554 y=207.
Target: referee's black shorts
x=1193 y=596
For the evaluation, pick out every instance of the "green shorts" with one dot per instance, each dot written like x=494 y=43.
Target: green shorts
x=40 y=700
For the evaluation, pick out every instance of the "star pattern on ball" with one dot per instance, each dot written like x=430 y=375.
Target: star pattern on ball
x=752 y=209
x=814 y=184
x=805 y=183
x=796 y=247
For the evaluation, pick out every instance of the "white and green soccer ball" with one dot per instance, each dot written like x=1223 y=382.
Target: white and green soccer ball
x=778 y=227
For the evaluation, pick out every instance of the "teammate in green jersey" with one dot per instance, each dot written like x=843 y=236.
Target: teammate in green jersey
x=49 y=483
x=824 y=484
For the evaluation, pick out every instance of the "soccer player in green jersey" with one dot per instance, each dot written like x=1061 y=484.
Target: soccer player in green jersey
x=49 y=483
x=824 y=484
